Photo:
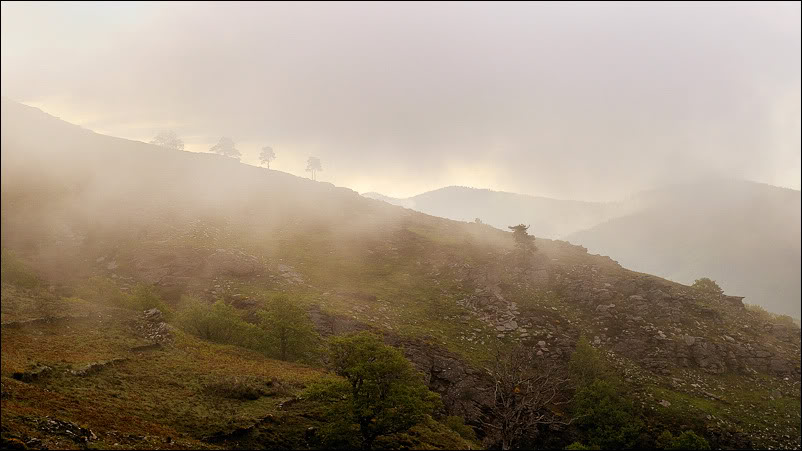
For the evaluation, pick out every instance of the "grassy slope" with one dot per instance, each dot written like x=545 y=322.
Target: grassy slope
x=152 y=394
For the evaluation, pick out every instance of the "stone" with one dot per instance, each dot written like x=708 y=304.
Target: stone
x=665 y=403
x=636 y=297
x=689 y=341
x=541 y=343
x=153 y=314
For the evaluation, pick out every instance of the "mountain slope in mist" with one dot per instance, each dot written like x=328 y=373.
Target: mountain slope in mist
x=549 y=218
x=97 y=218
x=742 y=234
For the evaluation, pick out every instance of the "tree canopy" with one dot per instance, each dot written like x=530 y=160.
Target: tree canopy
x=226 y=148
x=288 y=329
x=314 y=165
x=381 y=393
x=707 y=286
x=168 y=139
x=267 y=156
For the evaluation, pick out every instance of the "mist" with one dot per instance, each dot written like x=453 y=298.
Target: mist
x=588 y=102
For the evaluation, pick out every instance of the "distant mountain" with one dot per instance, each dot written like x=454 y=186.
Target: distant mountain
x=744 y=235
x=549 y=218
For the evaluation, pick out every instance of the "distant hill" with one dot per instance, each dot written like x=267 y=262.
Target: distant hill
x=549 y=218
x=744 y=235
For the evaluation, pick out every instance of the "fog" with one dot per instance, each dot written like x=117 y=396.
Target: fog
x=579 y=101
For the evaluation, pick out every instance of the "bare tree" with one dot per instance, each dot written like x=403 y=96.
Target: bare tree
x=524 y=389
x=313 y=165
x=267 y=155
x=168 y=139
x=226 y=148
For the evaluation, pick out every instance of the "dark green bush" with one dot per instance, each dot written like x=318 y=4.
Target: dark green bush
x=608 y=419
x=687 y=440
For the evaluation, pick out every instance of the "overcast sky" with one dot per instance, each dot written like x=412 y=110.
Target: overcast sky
x=584 y=101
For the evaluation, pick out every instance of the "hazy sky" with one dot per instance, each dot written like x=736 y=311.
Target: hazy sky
x=587 y=101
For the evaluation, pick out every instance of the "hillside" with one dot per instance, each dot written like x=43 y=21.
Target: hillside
x=680 y=232
x=88 y=218
x=687 y=232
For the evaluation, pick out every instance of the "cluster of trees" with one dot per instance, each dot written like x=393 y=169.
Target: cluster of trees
x=281 y=329
x=226 y=147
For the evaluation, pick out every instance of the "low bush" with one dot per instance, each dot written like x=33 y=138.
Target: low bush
x=457 y=424
x=221 y=323
x=243 y=389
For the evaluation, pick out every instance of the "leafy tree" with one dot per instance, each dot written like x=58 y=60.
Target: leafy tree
x=609 y=420
x=587 y=363
x=267 y=156
x=226 y=148
x=288 y=329
x=524 y=390
x=576 y=446
x=686 y=440
x=313 y=165
x=707 y=286
x=381 y=393
x=168 y=139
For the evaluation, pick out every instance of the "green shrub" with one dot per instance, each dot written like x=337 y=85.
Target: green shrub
x=144 y=297
x=587 y=364
x=687 y=440
x=576 y=446
x=609 y=420
x=15 y=272
x=221 y=323
x=707 y=286
x=767 y=316
x=457 y=424
x=242 y=389
x=102 y=290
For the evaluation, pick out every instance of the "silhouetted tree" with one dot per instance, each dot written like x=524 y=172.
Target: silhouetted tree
x=524 y=243
x=267 y=156
x=168 y=139
x=225 y=147
x=313 y=165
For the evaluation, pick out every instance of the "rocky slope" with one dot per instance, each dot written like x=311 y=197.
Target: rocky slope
x=447 y=293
